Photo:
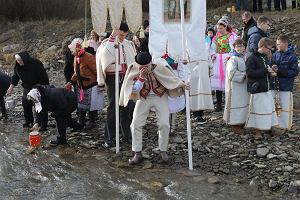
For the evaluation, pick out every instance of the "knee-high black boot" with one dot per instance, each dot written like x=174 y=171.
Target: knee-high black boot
x=92 y=119
x=219 y=101
x=81 y=120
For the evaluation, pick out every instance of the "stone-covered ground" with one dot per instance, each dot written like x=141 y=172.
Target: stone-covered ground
x=271 y=165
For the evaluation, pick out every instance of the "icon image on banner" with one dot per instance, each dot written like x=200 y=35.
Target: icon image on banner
x=172 y=11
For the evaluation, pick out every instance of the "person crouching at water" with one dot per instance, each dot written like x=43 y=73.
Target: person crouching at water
x=61 y=103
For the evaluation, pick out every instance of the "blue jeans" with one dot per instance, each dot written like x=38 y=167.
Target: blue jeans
x=242 y=4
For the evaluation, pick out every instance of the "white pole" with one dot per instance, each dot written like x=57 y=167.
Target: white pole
x=117 y=95
x=187 y=95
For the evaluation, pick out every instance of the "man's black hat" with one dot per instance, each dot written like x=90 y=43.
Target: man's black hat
x=143 y=58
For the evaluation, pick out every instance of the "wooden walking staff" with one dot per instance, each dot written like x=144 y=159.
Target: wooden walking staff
x=187 y=95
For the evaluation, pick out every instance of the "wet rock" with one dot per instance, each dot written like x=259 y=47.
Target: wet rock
x=153 y=185
x=199 y=179
x=188 y=173
x=147 y=165
x=262 y=152
x=213 y=180
x=123 y=165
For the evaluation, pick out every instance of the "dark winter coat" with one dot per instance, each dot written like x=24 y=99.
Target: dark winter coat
x=4 y=83
x=32 y=73
x=251 y=23
x=69 y=67
x=254 y=35
x=57 y=100
x=287 y=63
x=257 y=73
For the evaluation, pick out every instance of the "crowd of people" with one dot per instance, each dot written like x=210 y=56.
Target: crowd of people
x=279 y=5
x=257 y=81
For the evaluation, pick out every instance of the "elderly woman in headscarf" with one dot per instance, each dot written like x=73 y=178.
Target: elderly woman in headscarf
x=222 y=45
x=85 y=77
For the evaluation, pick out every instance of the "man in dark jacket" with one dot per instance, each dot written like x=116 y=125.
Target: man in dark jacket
x=61 y=103
x=4 y=85
x=285 y=63
x=256 y=33
x=31 y=72
x=257 y=6
x=248 y=22
x=261 y=114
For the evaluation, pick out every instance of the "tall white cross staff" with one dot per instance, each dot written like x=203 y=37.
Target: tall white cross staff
x=187 y=95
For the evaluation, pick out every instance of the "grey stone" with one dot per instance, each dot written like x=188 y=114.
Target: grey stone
x=283 y=155
x=177 y=139
x=278 y=169
x=214 y=134
x=51 y=50
x=271 y=156
x=147 y=165
x=262 y=152
x=293 y=189
x=288 y=168
x=235 y=164
x=213 y=180
x=11 y=48
x=272 y=184
x=6 y=36
x=296 y=155
x=260 y=166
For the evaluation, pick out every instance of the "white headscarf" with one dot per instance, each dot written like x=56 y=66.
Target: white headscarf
x=35 y=96
x=74 y=43
x=18 y=57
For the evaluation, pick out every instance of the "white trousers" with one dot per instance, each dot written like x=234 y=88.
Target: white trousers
x=262 y=113
x=140 y=114
x=285 y=119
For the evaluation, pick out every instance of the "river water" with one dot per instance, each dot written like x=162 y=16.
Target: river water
x=67 y=173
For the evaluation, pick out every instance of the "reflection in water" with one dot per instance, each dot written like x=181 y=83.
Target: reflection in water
x=62 y=173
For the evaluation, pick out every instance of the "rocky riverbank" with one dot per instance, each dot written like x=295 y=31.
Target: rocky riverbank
x=270 y=166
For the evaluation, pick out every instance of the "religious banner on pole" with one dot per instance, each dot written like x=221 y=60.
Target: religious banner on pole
x=100 y=8
x=165 y=28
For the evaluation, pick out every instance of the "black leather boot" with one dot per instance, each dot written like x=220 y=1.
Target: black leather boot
x=136 y=159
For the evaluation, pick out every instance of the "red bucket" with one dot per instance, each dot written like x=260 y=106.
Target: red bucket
x=35 y=139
